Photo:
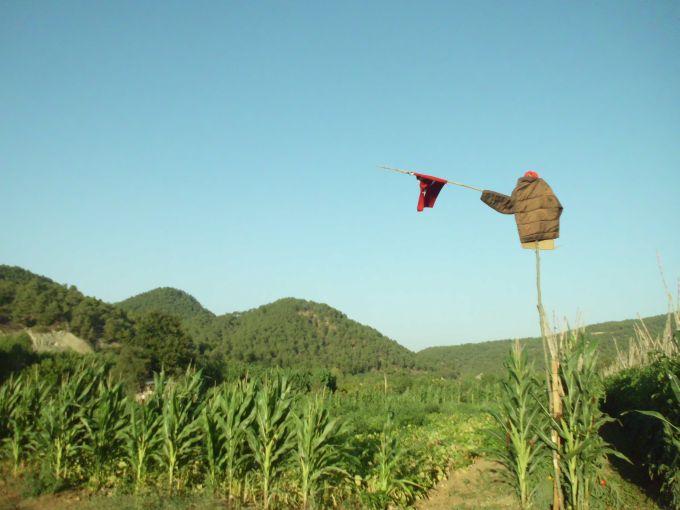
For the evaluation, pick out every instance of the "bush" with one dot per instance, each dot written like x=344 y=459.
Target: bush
x=648 y=389
x=16 y=353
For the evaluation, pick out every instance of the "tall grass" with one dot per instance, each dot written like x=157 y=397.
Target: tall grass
x=644 y=348
x=671 y=483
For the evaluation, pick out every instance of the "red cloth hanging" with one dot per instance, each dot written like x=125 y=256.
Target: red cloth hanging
x=430 y=187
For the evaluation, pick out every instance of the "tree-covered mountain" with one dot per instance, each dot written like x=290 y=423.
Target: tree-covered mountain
x=137 y=345
x=30 y=300
x=295 y=332
x=288 y=332
x=487 y=358
x=166 y=300
x=173 y=302
x=168 y=327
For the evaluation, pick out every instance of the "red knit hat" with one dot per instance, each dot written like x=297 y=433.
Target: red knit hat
x=532 y=174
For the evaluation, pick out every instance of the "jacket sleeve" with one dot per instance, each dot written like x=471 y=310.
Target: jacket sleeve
x=499 y=202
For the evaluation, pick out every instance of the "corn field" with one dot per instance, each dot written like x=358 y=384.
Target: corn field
x=527 y=430
x=260 y=443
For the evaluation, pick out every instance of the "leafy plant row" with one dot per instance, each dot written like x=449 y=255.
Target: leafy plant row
x=262 y=442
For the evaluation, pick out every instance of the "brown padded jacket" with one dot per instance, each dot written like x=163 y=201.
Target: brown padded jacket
x=536 y=208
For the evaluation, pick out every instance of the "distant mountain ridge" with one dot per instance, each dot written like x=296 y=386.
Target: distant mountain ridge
x=473 y=359
x=287 y=332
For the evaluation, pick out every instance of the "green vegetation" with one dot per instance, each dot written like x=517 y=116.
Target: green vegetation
x=487 y=357
x=519 y=422
x=264 y=442
x=582 y=452
x=294 y=405
x=174 y=302
x=16 y=353
x=289 y=332
x=526 y=428
x=169 y=328
x=656 y=446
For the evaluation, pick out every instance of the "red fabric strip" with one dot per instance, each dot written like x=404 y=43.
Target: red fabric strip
x=430 y=187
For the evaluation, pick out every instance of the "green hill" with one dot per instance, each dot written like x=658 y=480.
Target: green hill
x=289 y=332
x=487 y=357
x=167 y=300
x=294 y=332
x=31 y=300
x=174 y=302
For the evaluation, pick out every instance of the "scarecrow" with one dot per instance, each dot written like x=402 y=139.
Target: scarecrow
x=536 y=208
x=537 y=214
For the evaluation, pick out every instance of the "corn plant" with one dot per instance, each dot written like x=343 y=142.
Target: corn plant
x=388 y=484
x=179 y=426
x=104 y=422
x=319 y=452
x=518 y=421
x=211 y=439
x=12 y=432
x=270 y=439
x=581 y=450
x=236 y=413
x=61 y=429
x=21 y=399
x=142 y=440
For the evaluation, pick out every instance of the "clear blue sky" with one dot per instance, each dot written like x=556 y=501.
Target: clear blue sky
x=229 y=149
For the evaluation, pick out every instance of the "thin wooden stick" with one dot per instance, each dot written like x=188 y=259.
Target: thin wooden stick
x=553 y=384
x=410 y=172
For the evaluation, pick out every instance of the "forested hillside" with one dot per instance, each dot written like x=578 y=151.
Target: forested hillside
x=178 y=303
x=487 y=357
x=30 y=300
x=289 y=332
x=168 y=327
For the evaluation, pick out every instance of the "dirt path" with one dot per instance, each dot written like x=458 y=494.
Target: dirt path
x=478 y=486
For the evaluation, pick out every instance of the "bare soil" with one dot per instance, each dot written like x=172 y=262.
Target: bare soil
x=476 y=487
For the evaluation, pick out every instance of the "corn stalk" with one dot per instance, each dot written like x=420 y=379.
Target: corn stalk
x=271 y=440
x=61 y=429
x=179 y=426
x=320 y=456
x=104 y=423
x=142 y=440
x=519 y=421
x=581 y=450
x=236 y=414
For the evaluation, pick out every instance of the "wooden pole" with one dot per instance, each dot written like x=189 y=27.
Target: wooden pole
x=553 y=384
x=410 y=172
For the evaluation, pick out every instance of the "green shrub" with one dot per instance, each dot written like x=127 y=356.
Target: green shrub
x=648 y=388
